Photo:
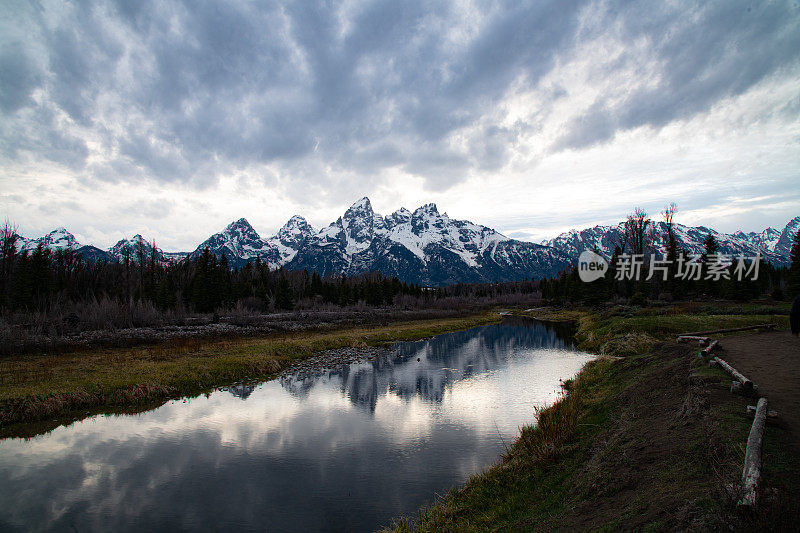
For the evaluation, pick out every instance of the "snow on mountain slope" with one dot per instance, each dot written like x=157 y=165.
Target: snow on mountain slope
x=783 y=246
x=766 y=240
x=423 y=246
x=58 y=238
x=133 y=249
x=290 y=238
x=240 y=243
x=773 y=245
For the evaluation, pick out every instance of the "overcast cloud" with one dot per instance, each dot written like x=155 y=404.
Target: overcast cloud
x=174 y=118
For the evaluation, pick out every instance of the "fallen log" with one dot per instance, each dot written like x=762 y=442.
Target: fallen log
x=701 y=340
x=751 y=474
x=751 y=411
x=747 y=385
x=729 y=330
x=710 y=348
x=738 y=388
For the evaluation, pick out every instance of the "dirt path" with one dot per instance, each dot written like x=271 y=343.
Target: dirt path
x=772 y=361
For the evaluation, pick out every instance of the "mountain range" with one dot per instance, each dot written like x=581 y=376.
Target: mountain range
x=774 y=245
x=423 y=246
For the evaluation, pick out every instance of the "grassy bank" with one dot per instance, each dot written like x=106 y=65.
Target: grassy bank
x=646 y=438
x=43 y=386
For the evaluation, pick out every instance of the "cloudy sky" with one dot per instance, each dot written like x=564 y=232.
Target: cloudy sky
x=172 y=119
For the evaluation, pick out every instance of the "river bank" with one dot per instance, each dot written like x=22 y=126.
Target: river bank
x=52 y=388
x=647 y=437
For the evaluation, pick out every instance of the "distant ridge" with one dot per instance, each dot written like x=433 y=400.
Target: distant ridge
x=774 y=245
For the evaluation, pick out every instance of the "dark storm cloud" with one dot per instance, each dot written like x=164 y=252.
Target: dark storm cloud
x=186 y=91
x=706 y=53
x=18 y=78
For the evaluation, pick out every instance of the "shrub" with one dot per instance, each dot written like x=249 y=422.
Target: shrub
x=637 y=299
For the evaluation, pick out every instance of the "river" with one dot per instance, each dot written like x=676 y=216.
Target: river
x=341 y=449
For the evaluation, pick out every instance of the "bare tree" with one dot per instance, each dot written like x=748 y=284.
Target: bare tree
x=635 y=234
x=153 y=263
x=140 y=261
x=8 y=242
x=8 y=251
x=126 y=256
x=670 y=242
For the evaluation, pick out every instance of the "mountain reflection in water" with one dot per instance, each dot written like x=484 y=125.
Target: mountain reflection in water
x=442 y=360
x=344 y=449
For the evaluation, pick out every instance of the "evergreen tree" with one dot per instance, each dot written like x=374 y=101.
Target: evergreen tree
x=41 y=275
x=793 y=278
x=22 y=284
x=8 y=256
x=671 y=245
x=711 y=246
x=283 y=296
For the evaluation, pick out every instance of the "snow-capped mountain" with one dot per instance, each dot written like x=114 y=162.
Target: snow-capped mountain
x=61 y=239
x=238 y=242
x=783 y=246
x=766 y=240
x=774 y=245
x=133 y=249
x=241 y=243
x=290 y=238
x=58 y=238
x=422 y=247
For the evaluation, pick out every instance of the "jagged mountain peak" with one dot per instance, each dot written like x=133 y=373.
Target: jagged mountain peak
x=783 y=245
x=296 y=219
x=423 y=247
x=360 y=209
x=401 y=216
x=792 y=227
x=132 y=248
x=362 y=202
x=59 y=238
x=240 y=225
x=294 y=232
x=426 y=210
x=296 y=224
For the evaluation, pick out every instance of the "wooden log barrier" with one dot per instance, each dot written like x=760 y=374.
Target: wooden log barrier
x=751 y=474
x=710 y=348
x=729 y=330
x=738 y=388
x=746 y=384
x=685 y=338
x=751 y=411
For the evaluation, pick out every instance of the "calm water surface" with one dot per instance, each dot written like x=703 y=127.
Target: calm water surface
x=345 y=449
